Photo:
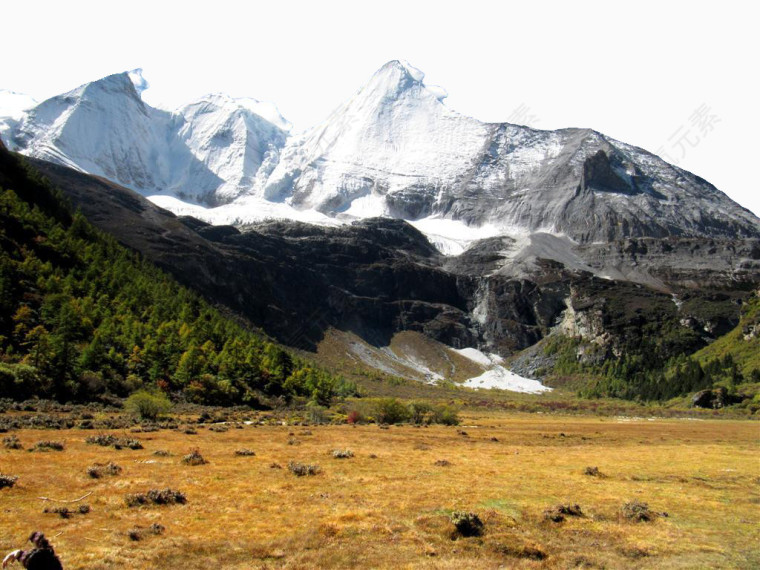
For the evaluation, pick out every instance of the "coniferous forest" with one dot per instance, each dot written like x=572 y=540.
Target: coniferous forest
x=83 y=317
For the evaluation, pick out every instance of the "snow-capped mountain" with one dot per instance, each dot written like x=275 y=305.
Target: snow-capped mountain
x=209 y=151
x=396 y=149
x=393 y=149
x=12 y=108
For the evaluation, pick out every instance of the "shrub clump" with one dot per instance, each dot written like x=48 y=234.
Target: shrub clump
x=593 y=472
x=47 y=445
x=194 y=458
x=148 y=405
x=442 y=463
x=155 y=497
x=639 y=512
x=161 y=453
x=467 y=523
x=12 y=442
x=300 y=469
x=65 y=512
x=391 y=411
x=7 y=481
x=109 y=440
x=342 y=453
x=558 y=513
x=102 y=469
x=138 y=533
x=245 y=452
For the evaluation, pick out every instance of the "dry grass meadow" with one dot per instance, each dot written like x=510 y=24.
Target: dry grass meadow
x=389 y=505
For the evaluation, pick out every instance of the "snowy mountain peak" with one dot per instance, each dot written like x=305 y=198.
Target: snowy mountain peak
x=392 y=149
x=396 y=79
x=220 y=101
x=116 y=84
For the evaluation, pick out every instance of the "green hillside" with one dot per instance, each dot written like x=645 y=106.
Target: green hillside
x=742 y=344
x=82 y=316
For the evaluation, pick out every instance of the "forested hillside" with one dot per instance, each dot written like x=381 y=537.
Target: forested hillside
x=82 y=316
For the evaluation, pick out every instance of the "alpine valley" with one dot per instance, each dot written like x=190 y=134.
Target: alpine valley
x=401 y=239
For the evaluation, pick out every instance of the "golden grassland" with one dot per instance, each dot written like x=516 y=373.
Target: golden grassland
x=388 y=506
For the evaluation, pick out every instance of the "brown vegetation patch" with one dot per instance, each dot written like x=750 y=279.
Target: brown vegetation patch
x=156 y=497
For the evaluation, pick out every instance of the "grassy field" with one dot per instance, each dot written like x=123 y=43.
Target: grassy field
x=388 y=506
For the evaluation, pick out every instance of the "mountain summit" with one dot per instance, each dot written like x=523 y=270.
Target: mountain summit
x=209 y=151
x=393 y=149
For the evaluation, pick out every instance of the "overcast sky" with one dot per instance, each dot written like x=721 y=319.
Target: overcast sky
x=677 y=78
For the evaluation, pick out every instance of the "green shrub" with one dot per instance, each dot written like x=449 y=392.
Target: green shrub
x=148 y=405
x=391 y=411
x=445 y=415
x=420 y=412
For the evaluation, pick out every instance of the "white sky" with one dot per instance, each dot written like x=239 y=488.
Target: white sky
x=636 y=71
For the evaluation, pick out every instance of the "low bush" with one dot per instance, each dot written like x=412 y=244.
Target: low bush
x=102 y=469
x=593 y=472
x=47 y=445
x=354 y=417
x=148 y=405
x=194 y=458
x=342 y=453
x=12 y=442
x=138 y=533
x=155 y=497
x=467 y=523
x=391 y=411
x=65 y=512
x=637 y=511
x=245 y=452
x=558 y=513
x=301 y=470
x=7 y=481
x=109 y=440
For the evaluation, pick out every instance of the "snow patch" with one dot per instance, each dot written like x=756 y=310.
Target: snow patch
x=502 y=379
x=246 y=210
x=13 y=104
x=480 y=357
x=452 y=237
x=438 y=92
x=496 y=376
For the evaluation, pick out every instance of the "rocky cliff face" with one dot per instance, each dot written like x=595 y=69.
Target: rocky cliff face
x=380 y=276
